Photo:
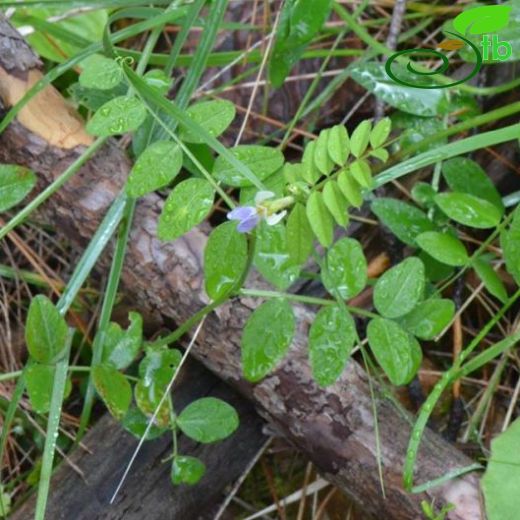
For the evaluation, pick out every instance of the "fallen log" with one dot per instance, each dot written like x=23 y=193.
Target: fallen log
x=148 y=492
x=334 y=427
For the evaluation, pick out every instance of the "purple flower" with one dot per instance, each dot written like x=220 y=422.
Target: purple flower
x=250 y=216
x=247 y=216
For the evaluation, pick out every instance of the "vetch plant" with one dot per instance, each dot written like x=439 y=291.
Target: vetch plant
x=286 y=213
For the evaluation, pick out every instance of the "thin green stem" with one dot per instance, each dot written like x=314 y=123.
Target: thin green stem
x=53 y=423
x=311 y=300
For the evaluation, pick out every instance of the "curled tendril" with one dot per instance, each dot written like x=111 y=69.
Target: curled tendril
x=440 y=70
x=127 y=60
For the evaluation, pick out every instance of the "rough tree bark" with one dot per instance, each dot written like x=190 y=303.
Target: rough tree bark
x=334 y=427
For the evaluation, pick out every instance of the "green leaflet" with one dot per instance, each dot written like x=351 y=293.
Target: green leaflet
x=266 y=338
x=263 y=161
x=187 y=470
x=322 y=159
x=120 y=347
x=117 y=116
x=214 y=116
x=429 y=318
x=350 y=188
x=272 y=258
x=397 y=352
x=510 y=243
x=490 y=279
x=444 y=247
x=16 y=182
x=113 y=388
x=466 y=176
x=336 y=202
x=331 y=339
x=39 y=381
x=362 y=173
x=400 y=289
x=380 y=132
x=320 y=219
x=405 y=221
x=155 y=168
x=300 y=21
x=45 y=331
x=299 y=235
x=339 y=144
x=310 y=172
x=187 y=205
x=208 y=420
x=225 y=260
x=469 y=210
x=345 y=270
x=360 y=139
x=500 y=482
x=136 y=423
x=100 y=73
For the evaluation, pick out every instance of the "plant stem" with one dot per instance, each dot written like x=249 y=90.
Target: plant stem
x=53 y=423
x=304 y=299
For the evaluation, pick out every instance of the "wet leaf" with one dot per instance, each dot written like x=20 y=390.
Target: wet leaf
x=469 y=210
x=155 y=168
x=16 y=182
x=117 y=116
x=405 y=221
x=100 y=73
x=272 y=258
x=331 y=339
x=322 y=159
x=444 y=247
x=263 y=161
x=320 y=219
x=345 y=271
x=336 y=202
x=380 y=133
x=120 y=347
x=225 y=260
x=187 y=206
x=45 y=331
x=360 y=139
x=214 y=116
x=310 y=172
x=417 y=101
x=500 y=481
x=148 y=399
x=429 y=318
x=400 y=289
x=490 y=279
x=397 y=352
x=158 y=367
x=300 y=21
x=339 y=144
x=39 y=380
x=136 y=423
x=510 y=243
x=266 y=338
x=362 y=173
x=350 y=188
x=208 y=420
x=466 y=176
x=113 y=388
x=299 y=235
x=187 y=470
